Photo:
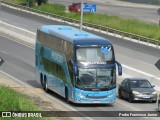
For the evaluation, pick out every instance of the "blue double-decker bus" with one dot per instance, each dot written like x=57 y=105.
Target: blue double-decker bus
x=78 y=65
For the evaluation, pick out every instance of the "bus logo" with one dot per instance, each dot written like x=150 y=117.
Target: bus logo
x=105 y=50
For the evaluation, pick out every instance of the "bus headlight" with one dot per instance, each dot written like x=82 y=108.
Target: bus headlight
x=111 y=95
x=80 y=95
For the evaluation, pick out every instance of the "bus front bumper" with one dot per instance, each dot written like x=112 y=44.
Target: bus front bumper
x=84 y=100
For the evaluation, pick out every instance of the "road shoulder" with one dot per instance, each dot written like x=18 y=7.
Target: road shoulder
x=34 y=94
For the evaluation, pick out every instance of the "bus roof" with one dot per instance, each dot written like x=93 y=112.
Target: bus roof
x=74 y=35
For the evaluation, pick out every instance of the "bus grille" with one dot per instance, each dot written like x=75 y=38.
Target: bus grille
x=96 y=97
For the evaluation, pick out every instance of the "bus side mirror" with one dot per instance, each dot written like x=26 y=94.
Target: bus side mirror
x=75 y=70
x=1 y=61
x=153 y=85
x=71 y=64
x=119 y=68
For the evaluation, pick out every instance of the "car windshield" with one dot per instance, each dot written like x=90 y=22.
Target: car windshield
x=139 y=84
x=94 y=54
x=79 y=4
x=96 y=78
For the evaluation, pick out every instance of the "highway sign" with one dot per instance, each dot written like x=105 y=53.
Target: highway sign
x=157 y=64
x=89 y=8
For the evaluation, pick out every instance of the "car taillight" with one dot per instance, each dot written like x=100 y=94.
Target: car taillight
x=79 y=10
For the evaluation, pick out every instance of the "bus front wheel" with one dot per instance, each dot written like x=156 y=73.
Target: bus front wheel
x=66 y=95
x=46 y=85
x=41 y=80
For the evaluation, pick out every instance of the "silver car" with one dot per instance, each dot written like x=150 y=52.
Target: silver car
x=135 y=89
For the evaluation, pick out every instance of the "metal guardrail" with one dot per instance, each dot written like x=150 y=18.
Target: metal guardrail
x=99 y=28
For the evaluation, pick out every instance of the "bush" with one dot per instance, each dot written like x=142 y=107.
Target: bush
x=31 y=3
x=44 y=1
x=39 y=2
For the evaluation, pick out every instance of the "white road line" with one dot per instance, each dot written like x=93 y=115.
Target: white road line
x=3 y=52
x=16 y=79
x=15 y=57
x=17 y=27
x=139 y=71
x=17 y=41
x=51 y=97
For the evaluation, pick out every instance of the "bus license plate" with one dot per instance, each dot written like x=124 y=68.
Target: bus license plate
x=96 y=101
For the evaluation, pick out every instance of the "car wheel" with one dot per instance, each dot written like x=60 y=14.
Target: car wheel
x=120 y=94
x=130 y=99
x=154 y=101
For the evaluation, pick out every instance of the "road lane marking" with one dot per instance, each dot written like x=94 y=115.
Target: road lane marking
x=15 y=79
x=139 y=71
x=18 y=27
x=4 y=52
x=17 y=41
x=16 y=57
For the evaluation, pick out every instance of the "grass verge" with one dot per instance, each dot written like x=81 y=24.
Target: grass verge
x=10 y=100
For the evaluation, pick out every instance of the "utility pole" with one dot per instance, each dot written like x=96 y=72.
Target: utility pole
x=27 y=3
x=0 y=4
x=81 y=21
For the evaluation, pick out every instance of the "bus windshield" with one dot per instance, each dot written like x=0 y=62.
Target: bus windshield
x=95 y=78
x=94 y=54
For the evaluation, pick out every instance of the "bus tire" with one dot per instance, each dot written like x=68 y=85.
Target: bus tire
x=41 y=80
x=154 y=101
x=66 y=95
x=130 y=99
x=46 y=85
x=120 y=94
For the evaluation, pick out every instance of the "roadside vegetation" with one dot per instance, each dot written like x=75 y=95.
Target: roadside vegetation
x=127 y=25
x=10 y=100
x=20 y=2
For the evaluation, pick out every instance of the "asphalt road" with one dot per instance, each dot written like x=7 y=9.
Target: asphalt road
x=19 y=63
x=146 y=13
x=140 y=57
